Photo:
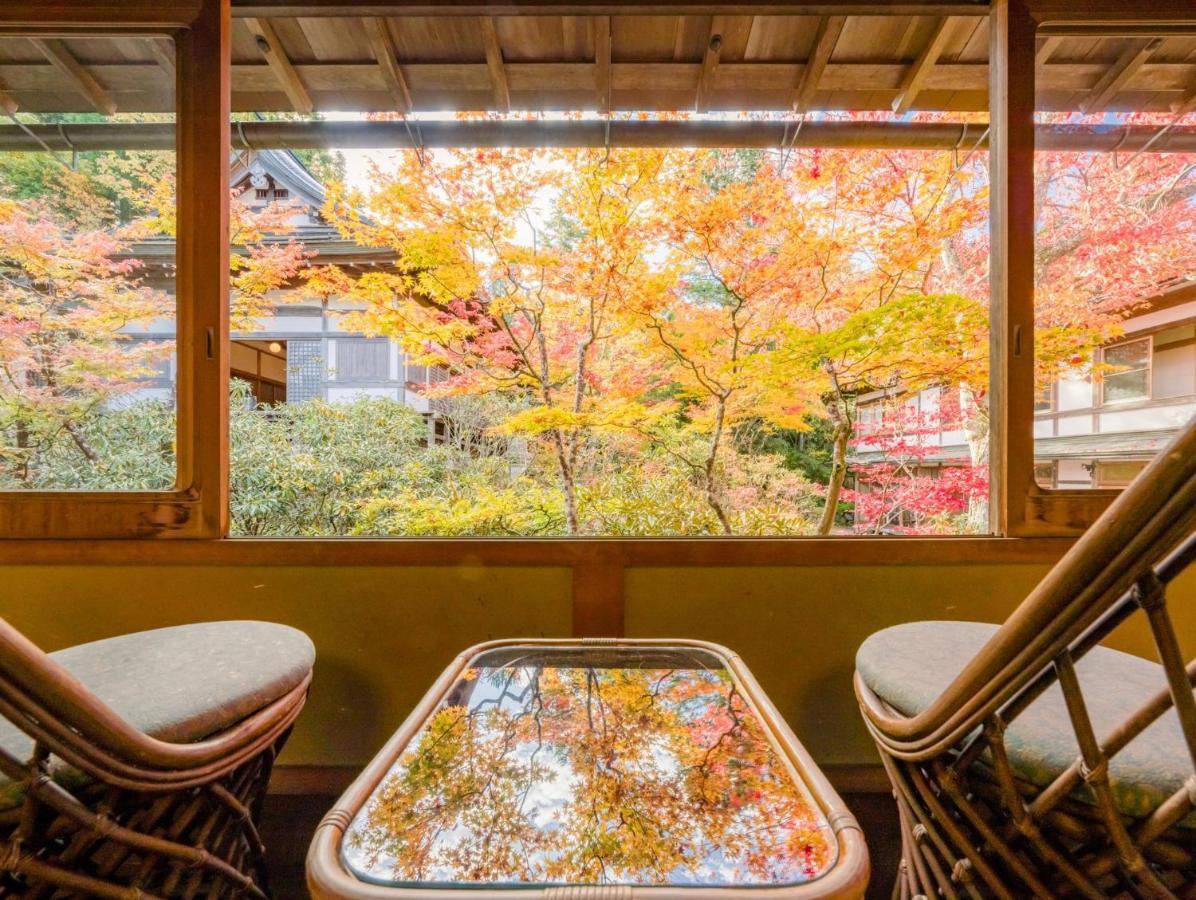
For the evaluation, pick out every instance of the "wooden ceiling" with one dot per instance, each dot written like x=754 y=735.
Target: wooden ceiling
x=597 y=62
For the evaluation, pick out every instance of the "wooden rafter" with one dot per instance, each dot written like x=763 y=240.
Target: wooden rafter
x=280 y=65
x=829 y=29
x=602 y=54
x=384 y=52
x=714 y=48
x=163 y=53
x=915 y=77
x=64 y=61
x=1126 y=67
x=1046 y=49
x=496 y=64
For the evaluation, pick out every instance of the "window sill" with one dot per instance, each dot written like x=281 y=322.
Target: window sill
x=566 y=552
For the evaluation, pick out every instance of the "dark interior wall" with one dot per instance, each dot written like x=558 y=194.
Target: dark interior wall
x=384 y=633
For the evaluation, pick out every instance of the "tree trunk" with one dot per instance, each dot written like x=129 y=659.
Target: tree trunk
x=567 y=486
x=711 y=462
x=80 y=440
x=834 y=487
x=23 y=445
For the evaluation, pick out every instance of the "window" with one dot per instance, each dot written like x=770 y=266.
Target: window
x=1127 y=376
x=362 y=360
x=496 y=323
x=87 y=302
x=1118 y=473
x=1045 y=474
x=112 y=214
x=1114 y=245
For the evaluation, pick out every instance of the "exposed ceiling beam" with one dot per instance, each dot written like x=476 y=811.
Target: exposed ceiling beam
x=384 y=52
x=64 y=61
x=280 y=65
x=498 y=69
x=1046 y=49
x=827 y=35
x=1126 y=67
x=915 y=77
x=714 y=47
x=602 y=54
x=163 y=53
x=607 y=7
x=592 y=133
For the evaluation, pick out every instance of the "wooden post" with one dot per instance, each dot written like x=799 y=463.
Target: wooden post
x=1011 y=298
x=598 y=601
x=204 y=103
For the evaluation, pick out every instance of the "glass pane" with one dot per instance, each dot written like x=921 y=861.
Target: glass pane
x=1132 y=355
x=87 y=264
x=591 y=370
x=591 y=766
x=1118 y=474
x=1125 y=386
x=1115 y=176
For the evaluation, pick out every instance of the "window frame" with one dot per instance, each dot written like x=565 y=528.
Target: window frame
x=196 y=507
x=1020 y=507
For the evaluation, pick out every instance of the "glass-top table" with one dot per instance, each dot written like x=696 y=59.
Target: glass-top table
x=654 y=767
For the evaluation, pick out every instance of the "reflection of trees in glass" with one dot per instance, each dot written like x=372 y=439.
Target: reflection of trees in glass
x=591 y=775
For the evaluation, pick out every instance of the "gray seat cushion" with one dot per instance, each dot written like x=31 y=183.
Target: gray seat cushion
x=909 y=666
x=179 y=684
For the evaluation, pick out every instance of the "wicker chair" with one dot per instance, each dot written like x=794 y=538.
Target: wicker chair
x=136 y=766
x=1029 y=761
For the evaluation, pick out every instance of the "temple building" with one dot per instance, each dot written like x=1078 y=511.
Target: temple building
x=300 y=351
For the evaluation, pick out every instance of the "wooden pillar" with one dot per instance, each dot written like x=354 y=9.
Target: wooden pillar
x=598 y=594
x=204 y=103
x=1011 y=343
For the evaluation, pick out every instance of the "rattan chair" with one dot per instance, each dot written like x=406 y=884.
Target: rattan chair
x=136 y=766
x=1029 y=761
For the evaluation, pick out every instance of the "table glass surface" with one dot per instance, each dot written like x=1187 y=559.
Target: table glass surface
x=591 y=765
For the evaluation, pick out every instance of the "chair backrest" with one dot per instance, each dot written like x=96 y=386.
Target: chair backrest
x=1121 y=565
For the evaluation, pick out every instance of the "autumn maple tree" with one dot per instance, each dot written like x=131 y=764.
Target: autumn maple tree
x=510 y=296
x=633 y=341
x=65 y=300
x=72 y=291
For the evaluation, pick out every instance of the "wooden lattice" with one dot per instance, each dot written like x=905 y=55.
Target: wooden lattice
x=970 y=825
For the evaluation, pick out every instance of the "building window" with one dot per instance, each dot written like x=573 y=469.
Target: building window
x=281 y=193
x=1044 y=474
x=362 y=360
x=1044 y=399
x=1128 y=372
x=1117 y=473
x=262 y=193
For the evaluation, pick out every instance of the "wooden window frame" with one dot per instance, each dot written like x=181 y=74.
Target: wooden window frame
x=1019 y=506
x=197 y=506
x=1026 y=520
